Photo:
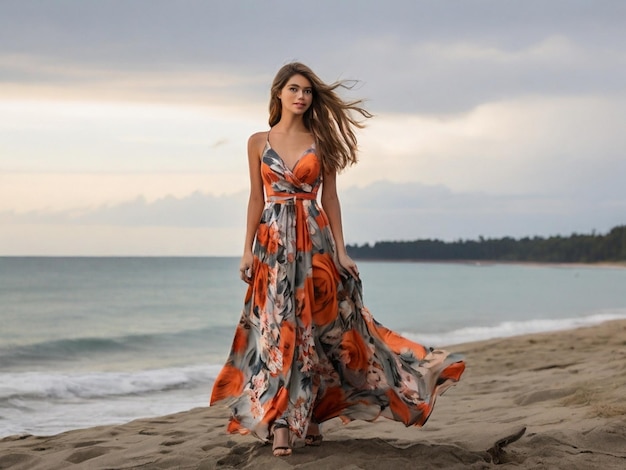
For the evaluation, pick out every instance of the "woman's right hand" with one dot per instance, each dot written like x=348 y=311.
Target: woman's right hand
x=245 y=267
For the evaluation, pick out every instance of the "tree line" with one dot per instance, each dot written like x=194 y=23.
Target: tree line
x=576 y=248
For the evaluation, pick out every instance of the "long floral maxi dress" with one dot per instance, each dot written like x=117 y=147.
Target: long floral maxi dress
x=305 y=348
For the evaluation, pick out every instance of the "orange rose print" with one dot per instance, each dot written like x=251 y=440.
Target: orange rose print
x=325 y=280
x=356 y=353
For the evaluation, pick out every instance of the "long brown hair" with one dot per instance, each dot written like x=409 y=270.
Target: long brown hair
x=330 y=119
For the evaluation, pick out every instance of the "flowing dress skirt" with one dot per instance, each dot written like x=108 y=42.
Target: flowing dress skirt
x=307 y=349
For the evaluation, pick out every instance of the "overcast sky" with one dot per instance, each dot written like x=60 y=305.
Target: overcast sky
x=123 y=124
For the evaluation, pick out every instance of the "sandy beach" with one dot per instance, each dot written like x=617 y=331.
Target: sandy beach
x=567 y=389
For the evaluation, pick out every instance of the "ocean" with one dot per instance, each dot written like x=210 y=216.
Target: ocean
x=92 y=341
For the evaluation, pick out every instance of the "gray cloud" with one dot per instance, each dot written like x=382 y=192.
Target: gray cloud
x=386 y=211
x=380 y=211
x=417 y=56
x=193 y=29
x=195 y=210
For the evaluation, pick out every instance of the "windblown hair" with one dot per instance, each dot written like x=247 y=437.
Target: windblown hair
x=330 y=119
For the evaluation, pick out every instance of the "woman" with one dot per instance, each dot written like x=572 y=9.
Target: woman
x=306 y=349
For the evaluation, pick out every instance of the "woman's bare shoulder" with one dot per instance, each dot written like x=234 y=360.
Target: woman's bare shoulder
x=256 y=144
x=258 y=138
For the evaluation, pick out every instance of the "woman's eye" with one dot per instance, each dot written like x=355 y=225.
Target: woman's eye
x=308 y=92
x=293 y=89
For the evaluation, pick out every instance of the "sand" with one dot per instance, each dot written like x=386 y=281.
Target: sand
x=568 y=389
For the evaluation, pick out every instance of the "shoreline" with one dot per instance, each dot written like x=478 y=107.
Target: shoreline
x=564 y=387
x=599 y=264
x=616 y=264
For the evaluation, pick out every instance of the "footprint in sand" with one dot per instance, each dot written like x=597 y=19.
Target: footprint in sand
x=87 y=454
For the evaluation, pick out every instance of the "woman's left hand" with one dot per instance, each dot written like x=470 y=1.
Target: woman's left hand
x=348 y=264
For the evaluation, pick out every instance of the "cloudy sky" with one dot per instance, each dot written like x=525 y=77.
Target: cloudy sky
x=123 y=124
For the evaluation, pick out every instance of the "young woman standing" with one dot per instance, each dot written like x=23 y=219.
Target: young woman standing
x=306 y=349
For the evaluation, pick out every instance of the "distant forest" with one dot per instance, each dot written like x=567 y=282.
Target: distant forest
x=557 y=249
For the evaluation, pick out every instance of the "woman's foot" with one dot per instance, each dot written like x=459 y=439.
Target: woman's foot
x=280 y=445
x=314 y=437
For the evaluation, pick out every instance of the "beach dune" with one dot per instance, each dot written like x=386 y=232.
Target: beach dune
x=561 y=395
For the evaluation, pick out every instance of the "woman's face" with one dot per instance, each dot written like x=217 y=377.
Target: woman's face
x=297 y=94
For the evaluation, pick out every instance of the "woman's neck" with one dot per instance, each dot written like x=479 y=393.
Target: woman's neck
x=290 y=123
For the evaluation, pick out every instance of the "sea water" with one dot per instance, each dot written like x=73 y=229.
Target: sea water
x=90 y=341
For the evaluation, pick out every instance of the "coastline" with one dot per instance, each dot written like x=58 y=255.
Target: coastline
x=565 y=388
x=599 y=264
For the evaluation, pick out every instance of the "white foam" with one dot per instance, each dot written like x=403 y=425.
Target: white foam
x=49 y=403
x=511 y=328
x=44 y=418
x=89 y=385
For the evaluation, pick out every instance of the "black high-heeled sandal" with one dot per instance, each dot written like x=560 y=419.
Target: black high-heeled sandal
x=280 y=449
x=314 y=439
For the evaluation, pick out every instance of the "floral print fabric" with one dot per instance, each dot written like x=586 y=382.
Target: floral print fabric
x=305 y=347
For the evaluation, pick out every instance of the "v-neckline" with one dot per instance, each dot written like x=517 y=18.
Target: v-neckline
x=302 y=155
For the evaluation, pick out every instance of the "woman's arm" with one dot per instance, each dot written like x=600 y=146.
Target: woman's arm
x=256 y=202
x=332 y=207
